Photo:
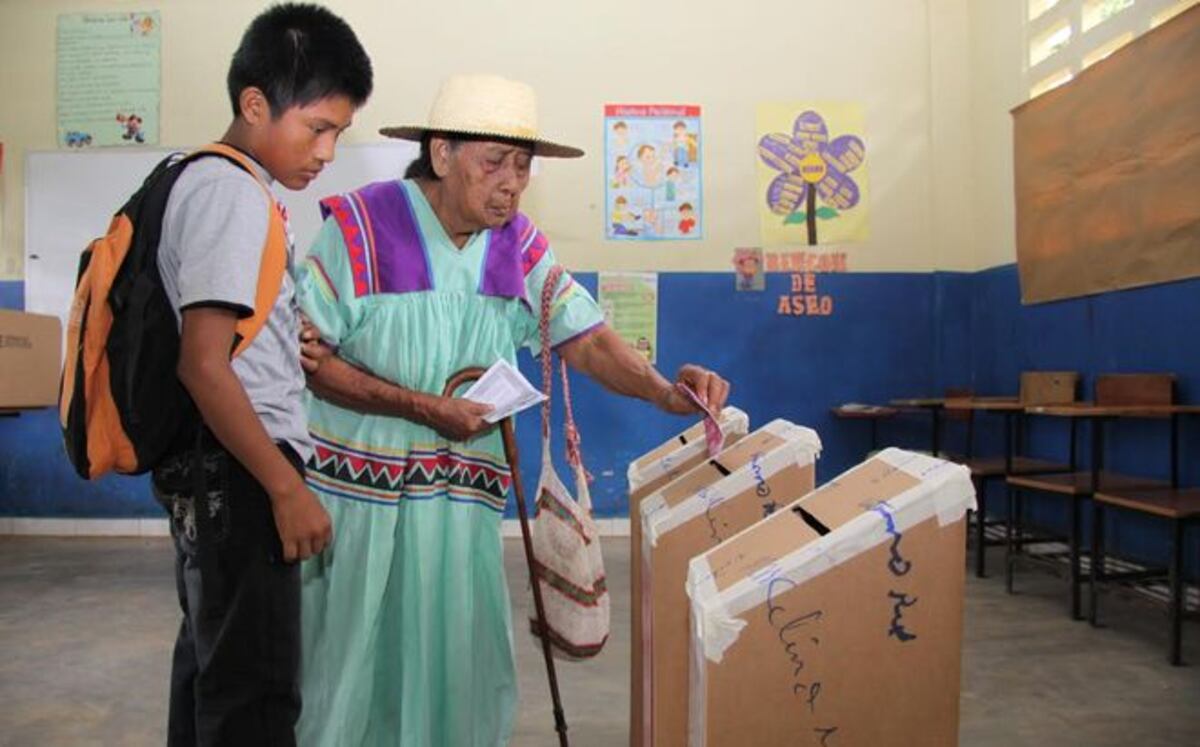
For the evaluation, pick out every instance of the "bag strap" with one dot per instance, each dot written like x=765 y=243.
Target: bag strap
x=548 y=288
x=275 y=248
x=574 y=452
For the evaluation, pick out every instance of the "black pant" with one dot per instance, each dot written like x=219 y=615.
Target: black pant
x=234 y=671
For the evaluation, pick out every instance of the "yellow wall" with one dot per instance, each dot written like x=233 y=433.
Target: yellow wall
x=996 y=54
x=907 y=62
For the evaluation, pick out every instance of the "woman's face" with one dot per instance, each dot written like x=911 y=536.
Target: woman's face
x=484 y=181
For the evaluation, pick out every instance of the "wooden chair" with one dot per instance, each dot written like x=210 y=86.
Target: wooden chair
x=1036 y=388
x=1179 y=506
x=1075 y=485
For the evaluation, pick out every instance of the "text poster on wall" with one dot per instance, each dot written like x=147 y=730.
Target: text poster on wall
x=652 y=172
x=812 y=174
x=108 y=78
x=629 y=301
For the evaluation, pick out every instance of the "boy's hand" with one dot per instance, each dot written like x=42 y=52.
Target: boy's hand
x=304 y=527
x=312 y=350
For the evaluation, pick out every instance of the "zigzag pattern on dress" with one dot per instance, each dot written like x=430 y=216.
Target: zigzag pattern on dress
x=422 y=474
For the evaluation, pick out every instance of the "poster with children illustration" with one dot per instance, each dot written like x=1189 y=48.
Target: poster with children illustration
x=652 y=172
x=108 y=79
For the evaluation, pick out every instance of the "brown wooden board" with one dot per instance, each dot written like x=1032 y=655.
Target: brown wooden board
x=1106 y=167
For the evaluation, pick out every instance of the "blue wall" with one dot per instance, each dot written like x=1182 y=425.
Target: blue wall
x=12 y=294
x=1150 y=329
x=891 y=335
x=879 y=344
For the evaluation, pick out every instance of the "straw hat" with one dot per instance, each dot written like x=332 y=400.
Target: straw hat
x=485 y=105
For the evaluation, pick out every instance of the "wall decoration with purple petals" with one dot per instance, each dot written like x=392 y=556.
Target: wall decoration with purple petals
x=812 y=174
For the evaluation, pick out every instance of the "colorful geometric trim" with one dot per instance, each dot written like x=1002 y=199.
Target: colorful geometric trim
x=324 y=282
x=342 y=211
x=383 y=241
x=420 y=474
x=363 y=218
x=533 y=252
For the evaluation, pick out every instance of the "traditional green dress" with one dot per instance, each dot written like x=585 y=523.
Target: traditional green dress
x=406 y=622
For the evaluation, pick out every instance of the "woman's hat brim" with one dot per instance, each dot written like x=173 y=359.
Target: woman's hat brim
x=543 y=148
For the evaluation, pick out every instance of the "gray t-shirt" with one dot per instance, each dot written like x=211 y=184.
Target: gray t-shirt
x=211 y=248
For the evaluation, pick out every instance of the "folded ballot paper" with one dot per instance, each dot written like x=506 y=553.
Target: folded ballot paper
x=649 y=472
x=714 y=439
x=504 y=388
x=718 y=498
x=837 y=619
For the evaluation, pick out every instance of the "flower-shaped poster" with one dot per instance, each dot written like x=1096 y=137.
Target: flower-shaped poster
x=812 y=174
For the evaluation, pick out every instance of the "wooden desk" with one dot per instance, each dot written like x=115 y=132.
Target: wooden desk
x=872 y=413
x=918 y=402
x=986 y=404
x=1101 y=414
x=934 y=406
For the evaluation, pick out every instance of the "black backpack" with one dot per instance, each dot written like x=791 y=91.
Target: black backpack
x=122 y=407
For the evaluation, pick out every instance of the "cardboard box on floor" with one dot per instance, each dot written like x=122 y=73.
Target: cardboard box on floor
x=30 y=359
x=649 y=472
x=837 y=620
x=768 y=468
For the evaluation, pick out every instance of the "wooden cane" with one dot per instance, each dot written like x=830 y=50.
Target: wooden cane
x=465 y=376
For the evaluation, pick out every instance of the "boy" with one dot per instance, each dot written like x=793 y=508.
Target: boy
x=241 y=513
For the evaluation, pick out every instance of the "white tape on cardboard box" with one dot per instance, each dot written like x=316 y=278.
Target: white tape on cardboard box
x=732 y=421
x=946 y=492
x=801 y=446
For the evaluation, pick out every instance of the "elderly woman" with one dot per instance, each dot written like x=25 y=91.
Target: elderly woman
x=406 y=620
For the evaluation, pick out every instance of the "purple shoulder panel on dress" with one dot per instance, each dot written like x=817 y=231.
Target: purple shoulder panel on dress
x=502 y=269
x=400 y=262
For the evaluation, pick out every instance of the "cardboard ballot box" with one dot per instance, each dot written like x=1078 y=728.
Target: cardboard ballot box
x=838 y=619
x=714 y=501
x=648 y=473
x=680 y=453
x=30 y=359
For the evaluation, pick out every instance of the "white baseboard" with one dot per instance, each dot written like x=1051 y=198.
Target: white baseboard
x=160 y=528
x=85 y=527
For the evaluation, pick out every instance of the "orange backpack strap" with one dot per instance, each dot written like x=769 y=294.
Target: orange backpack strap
x=274 y=257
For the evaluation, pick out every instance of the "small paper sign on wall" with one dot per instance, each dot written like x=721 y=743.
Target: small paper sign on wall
x=630 y=304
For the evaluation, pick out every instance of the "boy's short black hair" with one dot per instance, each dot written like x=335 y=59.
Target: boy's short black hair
x=298 y=53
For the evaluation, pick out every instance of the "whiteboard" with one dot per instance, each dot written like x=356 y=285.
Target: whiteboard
x=70 y=196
